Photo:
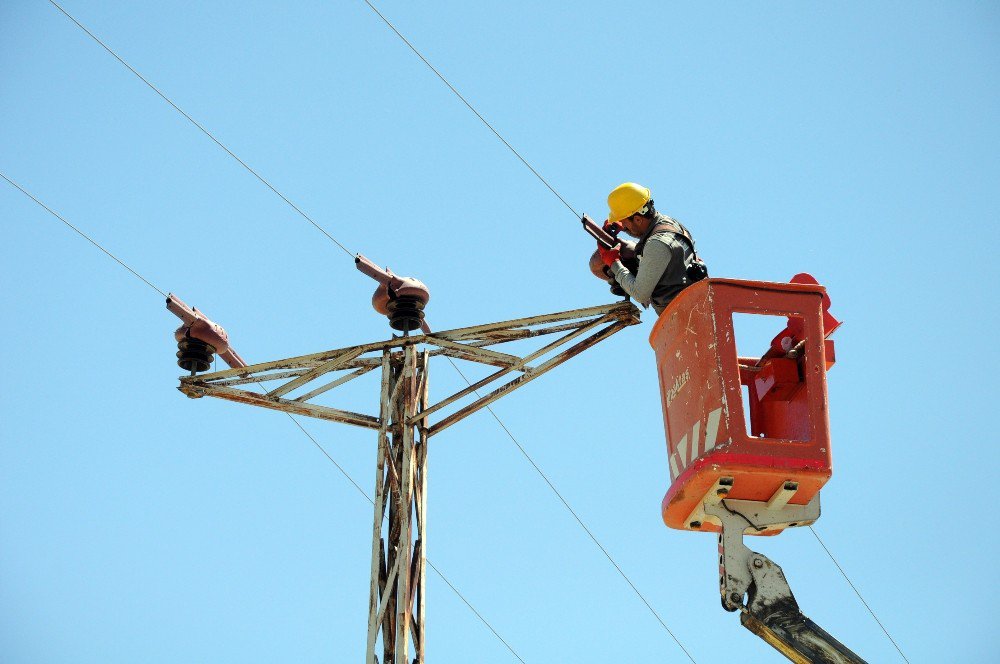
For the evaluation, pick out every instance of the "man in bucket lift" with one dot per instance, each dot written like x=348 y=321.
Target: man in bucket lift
x=668 y=262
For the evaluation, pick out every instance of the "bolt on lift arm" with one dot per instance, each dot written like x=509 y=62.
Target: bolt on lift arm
x=771 y=611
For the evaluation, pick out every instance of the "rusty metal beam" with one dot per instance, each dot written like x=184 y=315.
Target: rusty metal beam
x=527 y=377
x=397 y=597
x=476 y=330
x=325 y=368
x=467 y=343
x=309 y=360
x=329 y=386
x=476 y=354
x=507 y=336
x=580 y=330
x=230 y=382
x=277 y=403
x=479 y=334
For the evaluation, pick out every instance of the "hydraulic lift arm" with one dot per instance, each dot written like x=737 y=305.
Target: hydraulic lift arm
x=770 y=611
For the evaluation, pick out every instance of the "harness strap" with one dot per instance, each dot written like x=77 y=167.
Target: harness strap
x=674 y=227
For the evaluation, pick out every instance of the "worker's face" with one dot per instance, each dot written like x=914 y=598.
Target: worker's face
x=636 y=225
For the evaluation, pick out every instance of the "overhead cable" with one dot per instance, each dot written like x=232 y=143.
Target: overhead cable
x=202 y=129
x=342 y=247
x=432 y=565
x=502 y=425
x=82 y=234
x=577 y=517
x=858 y=593
x=545 y=182
x=297 y=209
x=472 y=108
x=296 y=422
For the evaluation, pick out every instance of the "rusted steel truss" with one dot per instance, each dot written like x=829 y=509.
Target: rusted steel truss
x=301 y=379
x=399 y=532
x=399 y=565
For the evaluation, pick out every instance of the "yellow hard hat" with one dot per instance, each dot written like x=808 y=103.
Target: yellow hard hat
x=627 y=199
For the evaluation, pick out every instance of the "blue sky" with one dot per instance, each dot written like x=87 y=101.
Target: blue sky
x=859 y=142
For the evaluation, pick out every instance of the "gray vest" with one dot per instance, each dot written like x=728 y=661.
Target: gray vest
x=681 y=244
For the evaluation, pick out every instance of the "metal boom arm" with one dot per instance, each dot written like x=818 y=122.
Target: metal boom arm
x=771 y=611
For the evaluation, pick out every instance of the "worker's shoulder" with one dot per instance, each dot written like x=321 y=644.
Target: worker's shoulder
x=666 y=235
x=667 y=229
x=662 y=223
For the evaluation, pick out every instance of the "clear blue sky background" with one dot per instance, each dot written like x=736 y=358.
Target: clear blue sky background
x=858 y=142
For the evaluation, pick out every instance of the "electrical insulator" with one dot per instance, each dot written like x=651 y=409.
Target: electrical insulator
x=199 y=338
x=401 y=299
x=194 y=355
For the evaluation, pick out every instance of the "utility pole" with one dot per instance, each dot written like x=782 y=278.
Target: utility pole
x=397 y=599
x=398 y=573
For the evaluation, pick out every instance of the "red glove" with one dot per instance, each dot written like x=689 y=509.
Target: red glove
x=609 y=256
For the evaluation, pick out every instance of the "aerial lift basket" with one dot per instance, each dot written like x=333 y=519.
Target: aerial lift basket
x=784 y=458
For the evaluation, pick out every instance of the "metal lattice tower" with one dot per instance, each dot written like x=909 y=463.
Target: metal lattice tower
x=397 y=600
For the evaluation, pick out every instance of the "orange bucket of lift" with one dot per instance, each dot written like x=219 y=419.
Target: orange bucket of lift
x=702 y=383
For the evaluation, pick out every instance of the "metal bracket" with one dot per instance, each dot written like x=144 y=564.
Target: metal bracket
x=770 y=611
x=308 y=376
x=737 y=517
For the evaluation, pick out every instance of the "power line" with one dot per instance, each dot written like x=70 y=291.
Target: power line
x=202 y=129
x=577 y=517
x=322 y=230
x=207 y=133
x=525 y=162
x=82 y=234
x=296 y=422
x=342 y=247
x=858 y=593
x=490 y=409
x=462 y=597
x=265 y=182
x=432 y=565
x=307 y=218
x=471 y=108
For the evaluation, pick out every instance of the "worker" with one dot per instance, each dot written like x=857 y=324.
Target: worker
x=668 y=262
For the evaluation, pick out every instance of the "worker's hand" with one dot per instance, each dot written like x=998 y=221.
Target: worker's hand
x=612 y=227
x=609 y=256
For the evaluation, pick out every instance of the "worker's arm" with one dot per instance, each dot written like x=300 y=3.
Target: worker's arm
x=655 y=260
